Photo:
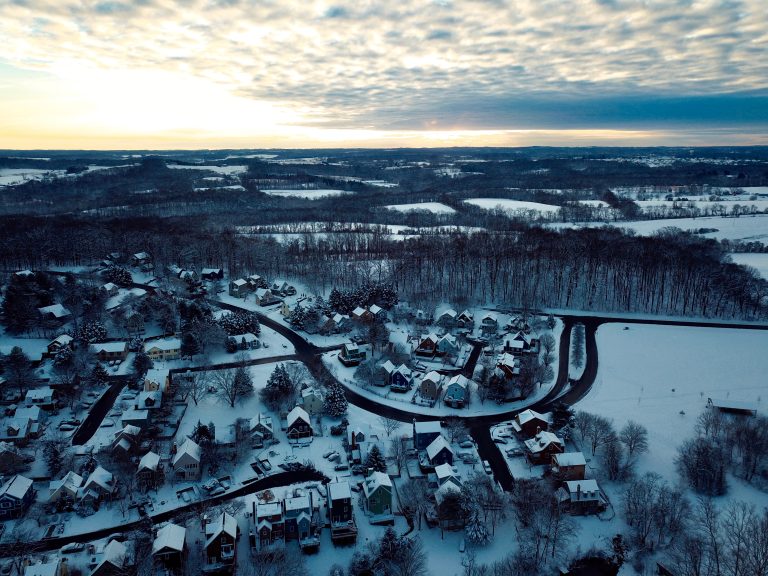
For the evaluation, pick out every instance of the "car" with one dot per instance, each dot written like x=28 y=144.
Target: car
x=500 y=440
x=355 y=488
x=284 y=466
x=72 y=548
x=466 y=444
x=340 y=467
x=66 y=427
x=335 y=457
x=326 y=454
x=265 y=464
x=358 y=469
x=486 y=466
x=514 y=452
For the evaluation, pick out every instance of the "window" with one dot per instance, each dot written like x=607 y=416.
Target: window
x=227 y=550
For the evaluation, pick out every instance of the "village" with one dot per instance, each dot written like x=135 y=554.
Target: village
x=176 y=422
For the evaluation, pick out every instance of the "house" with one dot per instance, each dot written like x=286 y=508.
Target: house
x=448 y=521
x=256 y=281
x=16 y=494
x=261 y=430
x=285 y=309
x=581 y=497
x=24 y=274
x=447 y=473
x=298 y=512
x=732 y=407
x=507 y=366
x=424 y=433
x=384 y=373
x=270 y=523
x=519 y=324
x=520 y=342
x=377 y=493
x=48 y=568
x=489 y=324
x=212 y=274
x=457 y=391
x=360 y=314
x=312 y=400
x=221 y=535
x=55 y=313
x=138 y=418
x=401 y=379
x=186 y=461
x=340 y=513
x=239 y=288
x=439 y=452
x=125 y=441
x=169 y=548
x=283 y=288
x=133 y=322
x=163 y=349
x=43 y=397
x=447 y=345
x=352 y=354
x=377 y=313
x=115 y=560
x=447 y=319
x=528 y=423
x=100 y=485
x=542 y=447
x=149 y=474
x=465 y=321
x=109 y=351
x=32 y=413
x=431 y=386
x=264 y=297
x=569 y=465
x=188 y=276
x=141 y=259
x=247 y=341
x=58 y=343
x=159 y=385
x=148 y=400
x=18 y=431
x=299 y=425
x=427 y=345
x=110 y=289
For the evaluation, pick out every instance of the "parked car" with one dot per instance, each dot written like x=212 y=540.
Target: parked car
x=326 y=454
x=265 y=464
x=486 y=466
x=341 y=467
x=500 y=440
x=335 y=457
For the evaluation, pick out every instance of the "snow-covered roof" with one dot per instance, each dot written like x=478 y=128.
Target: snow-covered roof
x=436 y=446
x=101 y=478
x=467 y=314
x=62 y=340
x=297 y=413
x=43 y=569
x=444 y=471
x=586 y=486
x=223 y=524
x=129 y=430
x=164 y=344
x=268 y=509
x=16 y=487
x=431 y=337
x=207 y=271
x=449 y=338
x=388 y=367
x=375 y=309
x=339 y=490
x=528 y=415
x=434 y=377
x=149 y=461
x=261 y=292
x=541 y=441
x=441 y=492
x=459 y=380
x=115 y=553
x=170 y=536
x=297 y=503
x=108 y=347
x=427 y=427
x=247 y=337
x=190 y=448
x=451 y=313
x=240 y=282
x=71 y=481
x=109 y=286
x=148 y=400
x=404 y=370
x=570 y=459
x=24 y=273
x=358 y=311
x=57 y=310
x=31 y=413
x=39 y=393
x=506 y=359
x=340 y=318
x=515 y=344
x=375 y=481
x=141 y=255
x=261 y=419
x=490 y=317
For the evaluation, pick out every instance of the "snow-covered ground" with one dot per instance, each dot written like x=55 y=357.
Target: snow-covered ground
x=123 y=294
x=512 y=206
x=757 y=261
x=228 y=170
x=434 y=207
x=661 y=377
x=11 y=176
x=741 y=228
x=308 y=194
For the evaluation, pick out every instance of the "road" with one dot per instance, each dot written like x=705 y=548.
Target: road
x=98 y=412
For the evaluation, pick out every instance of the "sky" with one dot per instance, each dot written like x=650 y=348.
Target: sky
x=165 y=74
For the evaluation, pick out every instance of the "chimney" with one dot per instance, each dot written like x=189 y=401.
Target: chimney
x=538 y=430
x=578 y=491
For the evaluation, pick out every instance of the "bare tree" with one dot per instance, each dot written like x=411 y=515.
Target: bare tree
x=635 y=438
x=583 y=422
x=455 y=428
x=389 y=424
x=600 y=432
x=232 y=385
x=194 y=385
x=413 y=498
x=398 y=453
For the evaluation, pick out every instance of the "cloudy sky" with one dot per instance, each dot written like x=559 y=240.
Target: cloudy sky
x=303 y=73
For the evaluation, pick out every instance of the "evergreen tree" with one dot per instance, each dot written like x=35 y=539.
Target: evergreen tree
x=118 y=275
x=375 y=460
x=99 y=375
x=336 y=301
x=243 y=382
x=279 y=389
x=477 y=531
x=63 y=357
x=241 y=322
x=335 y=403
x=18 y=370
x=231 y=345
x=389 y=546
x=297 y=317
x=189 y=345
x=142 y=364
x=52 y=454
x=89 y=332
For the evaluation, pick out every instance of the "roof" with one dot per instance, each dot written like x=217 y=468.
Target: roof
x=39 y=393
x=205 y=271
x=268 y=509
x=431 y=337
x=297 y=503
x=541 y=441
x=375 y=309
x=573 y=486
x=57 y=310
x=467 y=314
x=444 y=489
x=459 y=380
x=388 y=367
x=239 y=282
x=732 y=405
x=164 y=344
x=528 y=415
x=436 y=446
x=62 y=340
x=130 y=430
x=450 y=313
x=339 y=490
x=375 y=481
x=570 y=459
x=427 y=427
x=404 y=370
x=97 y=347
x=141 y=255
x=191 y=448
x=149 y=461
x=115 y=553
x=101 y=477
x=295 y=414
x=110 y=286
x=261 y=292
x=17 y=487
x=339 y=318
x=490 y=317
x=248 y=337
x=170 y=536
x=71 y=480
x=260 y=418
x=43 y=569
x=445 y=471
x=434 y=377
x=32 y=413
x=358 y=311
x=506 y=359
x=223 y=524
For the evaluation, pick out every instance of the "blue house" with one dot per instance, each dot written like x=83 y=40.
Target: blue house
x=15 y=497
x=424 y=433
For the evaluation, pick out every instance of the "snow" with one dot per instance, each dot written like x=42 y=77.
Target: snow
x=757 y=261
x=227 y=170
x=16 y=487
x=12 y=176
x=434 y=207
x=512 y=206
x=661 y=377
x=170 y=536
x=307 y=194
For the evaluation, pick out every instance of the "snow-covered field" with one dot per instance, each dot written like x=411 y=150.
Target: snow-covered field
x=228 y=170
x=512 y=206
x=757 y=261
x=661 y=377
x=741 y=228
x=434 y=207
x=760 y=205
x=307 y=194
x=11 y=176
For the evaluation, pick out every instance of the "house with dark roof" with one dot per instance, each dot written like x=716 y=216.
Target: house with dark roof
x=16 y=494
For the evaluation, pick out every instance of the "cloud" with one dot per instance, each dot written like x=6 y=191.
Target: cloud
x=459 y=64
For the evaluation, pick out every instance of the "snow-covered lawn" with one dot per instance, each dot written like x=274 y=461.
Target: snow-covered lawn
x=512 y=206
x=661 y=377
x=122 y=294
x=434 y=207
x=307 y=194
x=757 y=261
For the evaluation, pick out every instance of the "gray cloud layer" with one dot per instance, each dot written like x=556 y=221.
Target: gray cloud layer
x=431 y=64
